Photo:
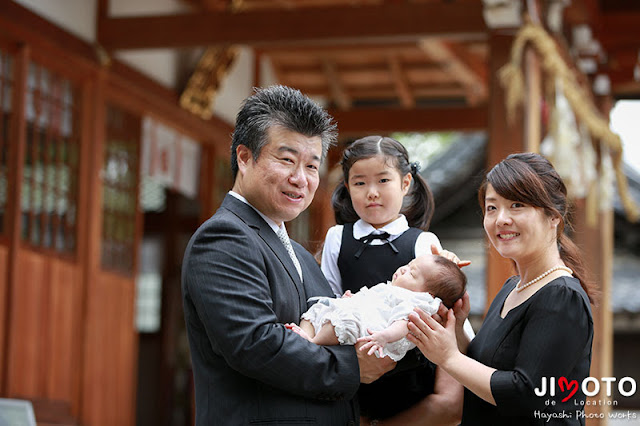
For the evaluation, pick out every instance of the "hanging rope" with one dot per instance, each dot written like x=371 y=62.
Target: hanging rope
x=512 y=79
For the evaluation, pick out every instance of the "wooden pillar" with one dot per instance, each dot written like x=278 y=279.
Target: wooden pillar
x=322 y=216
x=596 y=241
x=89 y=397
x=208 y=199
x=533 y=105
x=504 y=138
x=533 y=88
x=17 y=142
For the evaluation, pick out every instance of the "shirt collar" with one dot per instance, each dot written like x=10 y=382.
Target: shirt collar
x=274 y=226
x=397 y=227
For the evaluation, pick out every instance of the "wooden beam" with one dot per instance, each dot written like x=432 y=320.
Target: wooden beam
x=209 y=4
x=102 y=9
x=442 y=53
x=402 y=85
x=390 y=21
x=20 y=22
x=347 y=50
x=387 y=120
x=474 y=63
x=620 y=29
x=271 y=4
x=583 y=12
x=336 y=88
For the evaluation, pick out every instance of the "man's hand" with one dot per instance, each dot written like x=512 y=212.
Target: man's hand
x=371 y=367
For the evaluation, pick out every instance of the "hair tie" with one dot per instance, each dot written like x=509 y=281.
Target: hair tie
x=415 y=167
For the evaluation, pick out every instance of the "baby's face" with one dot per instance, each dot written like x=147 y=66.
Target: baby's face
x=415 y=274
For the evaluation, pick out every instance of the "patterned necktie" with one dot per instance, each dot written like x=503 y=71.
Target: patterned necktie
x=282 y=235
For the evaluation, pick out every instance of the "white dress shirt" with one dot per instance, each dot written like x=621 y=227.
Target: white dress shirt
x=272 y=224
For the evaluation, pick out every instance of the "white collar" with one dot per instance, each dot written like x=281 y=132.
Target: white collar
x=397 y=227
x=272 y=224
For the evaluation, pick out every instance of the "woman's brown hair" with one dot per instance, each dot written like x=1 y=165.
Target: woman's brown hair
x=531 y=179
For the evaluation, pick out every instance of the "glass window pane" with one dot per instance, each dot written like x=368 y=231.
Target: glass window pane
x=50 y=172
x=120 y=186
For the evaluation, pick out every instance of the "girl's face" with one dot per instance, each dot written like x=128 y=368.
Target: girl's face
x=377 y=190
x=518 y=231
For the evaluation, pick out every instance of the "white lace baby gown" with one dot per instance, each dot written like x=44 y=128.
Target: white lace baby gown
x=372 y=308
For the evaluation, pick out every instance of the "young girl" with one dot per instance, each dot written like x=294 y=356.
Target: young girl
x=383 y=208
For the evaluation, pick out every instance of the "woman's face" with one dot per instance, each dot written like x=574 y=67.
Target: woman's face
x=518 y=231
x=377 y=190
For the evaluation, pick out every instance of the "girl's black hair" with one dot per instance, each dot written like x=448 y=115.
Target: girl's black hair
x=418 y=204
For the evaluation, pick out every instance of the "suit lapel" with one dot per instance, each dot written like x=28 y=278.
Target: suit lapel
x=248 y=215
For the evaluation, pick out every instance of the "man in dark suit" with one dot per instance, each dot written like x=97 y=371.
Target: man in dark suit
x=242 y=282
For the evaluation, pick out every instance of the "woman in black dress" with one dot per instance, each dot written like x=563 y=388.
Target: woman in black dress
x=539 y=327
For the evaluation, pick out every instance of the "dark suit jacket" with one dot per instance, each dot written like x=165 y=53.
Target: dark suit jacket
x=239 y=286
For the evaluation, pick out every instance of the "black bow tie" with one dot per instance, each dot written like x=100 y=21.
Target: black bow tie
x=366 y=242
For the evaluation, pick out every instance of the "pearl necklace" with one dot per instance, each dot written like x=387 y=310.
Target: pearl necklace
x=519 y=287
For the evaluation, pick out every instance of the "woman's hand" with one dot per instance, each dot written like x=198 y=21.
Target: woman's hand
x=436 y=342
x=450 y=255
x=441 y=315
x=461 y=309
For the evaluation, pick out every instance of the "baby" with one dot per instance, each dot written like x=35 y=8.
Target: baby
x=379 y=315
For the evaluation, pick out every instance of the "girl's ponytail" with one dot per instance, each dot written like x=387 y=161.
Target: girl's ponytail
x=342 y=206
x=419 y=204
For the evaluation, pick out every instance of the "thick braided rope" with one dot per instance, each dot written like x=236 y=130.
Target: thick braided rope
x=512 y=79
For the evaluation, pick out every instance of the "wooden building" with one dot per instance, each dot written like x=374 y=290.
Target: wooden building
x=82 y=128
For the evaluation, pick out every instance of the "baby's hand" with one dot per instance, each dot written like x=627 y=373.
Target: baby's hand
x=296 y=329
x=375 y=343
x=347 y=294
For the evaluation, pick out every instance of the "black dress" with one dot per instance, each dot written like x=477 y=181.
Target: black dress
x=547 y=336
x=414 y=376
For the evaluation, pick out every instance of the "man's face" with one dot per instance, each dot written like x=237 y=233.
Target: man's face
x=281 y=183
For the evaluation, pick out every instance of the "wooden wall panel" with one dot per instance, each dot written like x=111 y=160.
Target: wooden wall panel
x=110 y=352
x=27 y=319
x=4 y=273
x=65 y=336
x=45 y=327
